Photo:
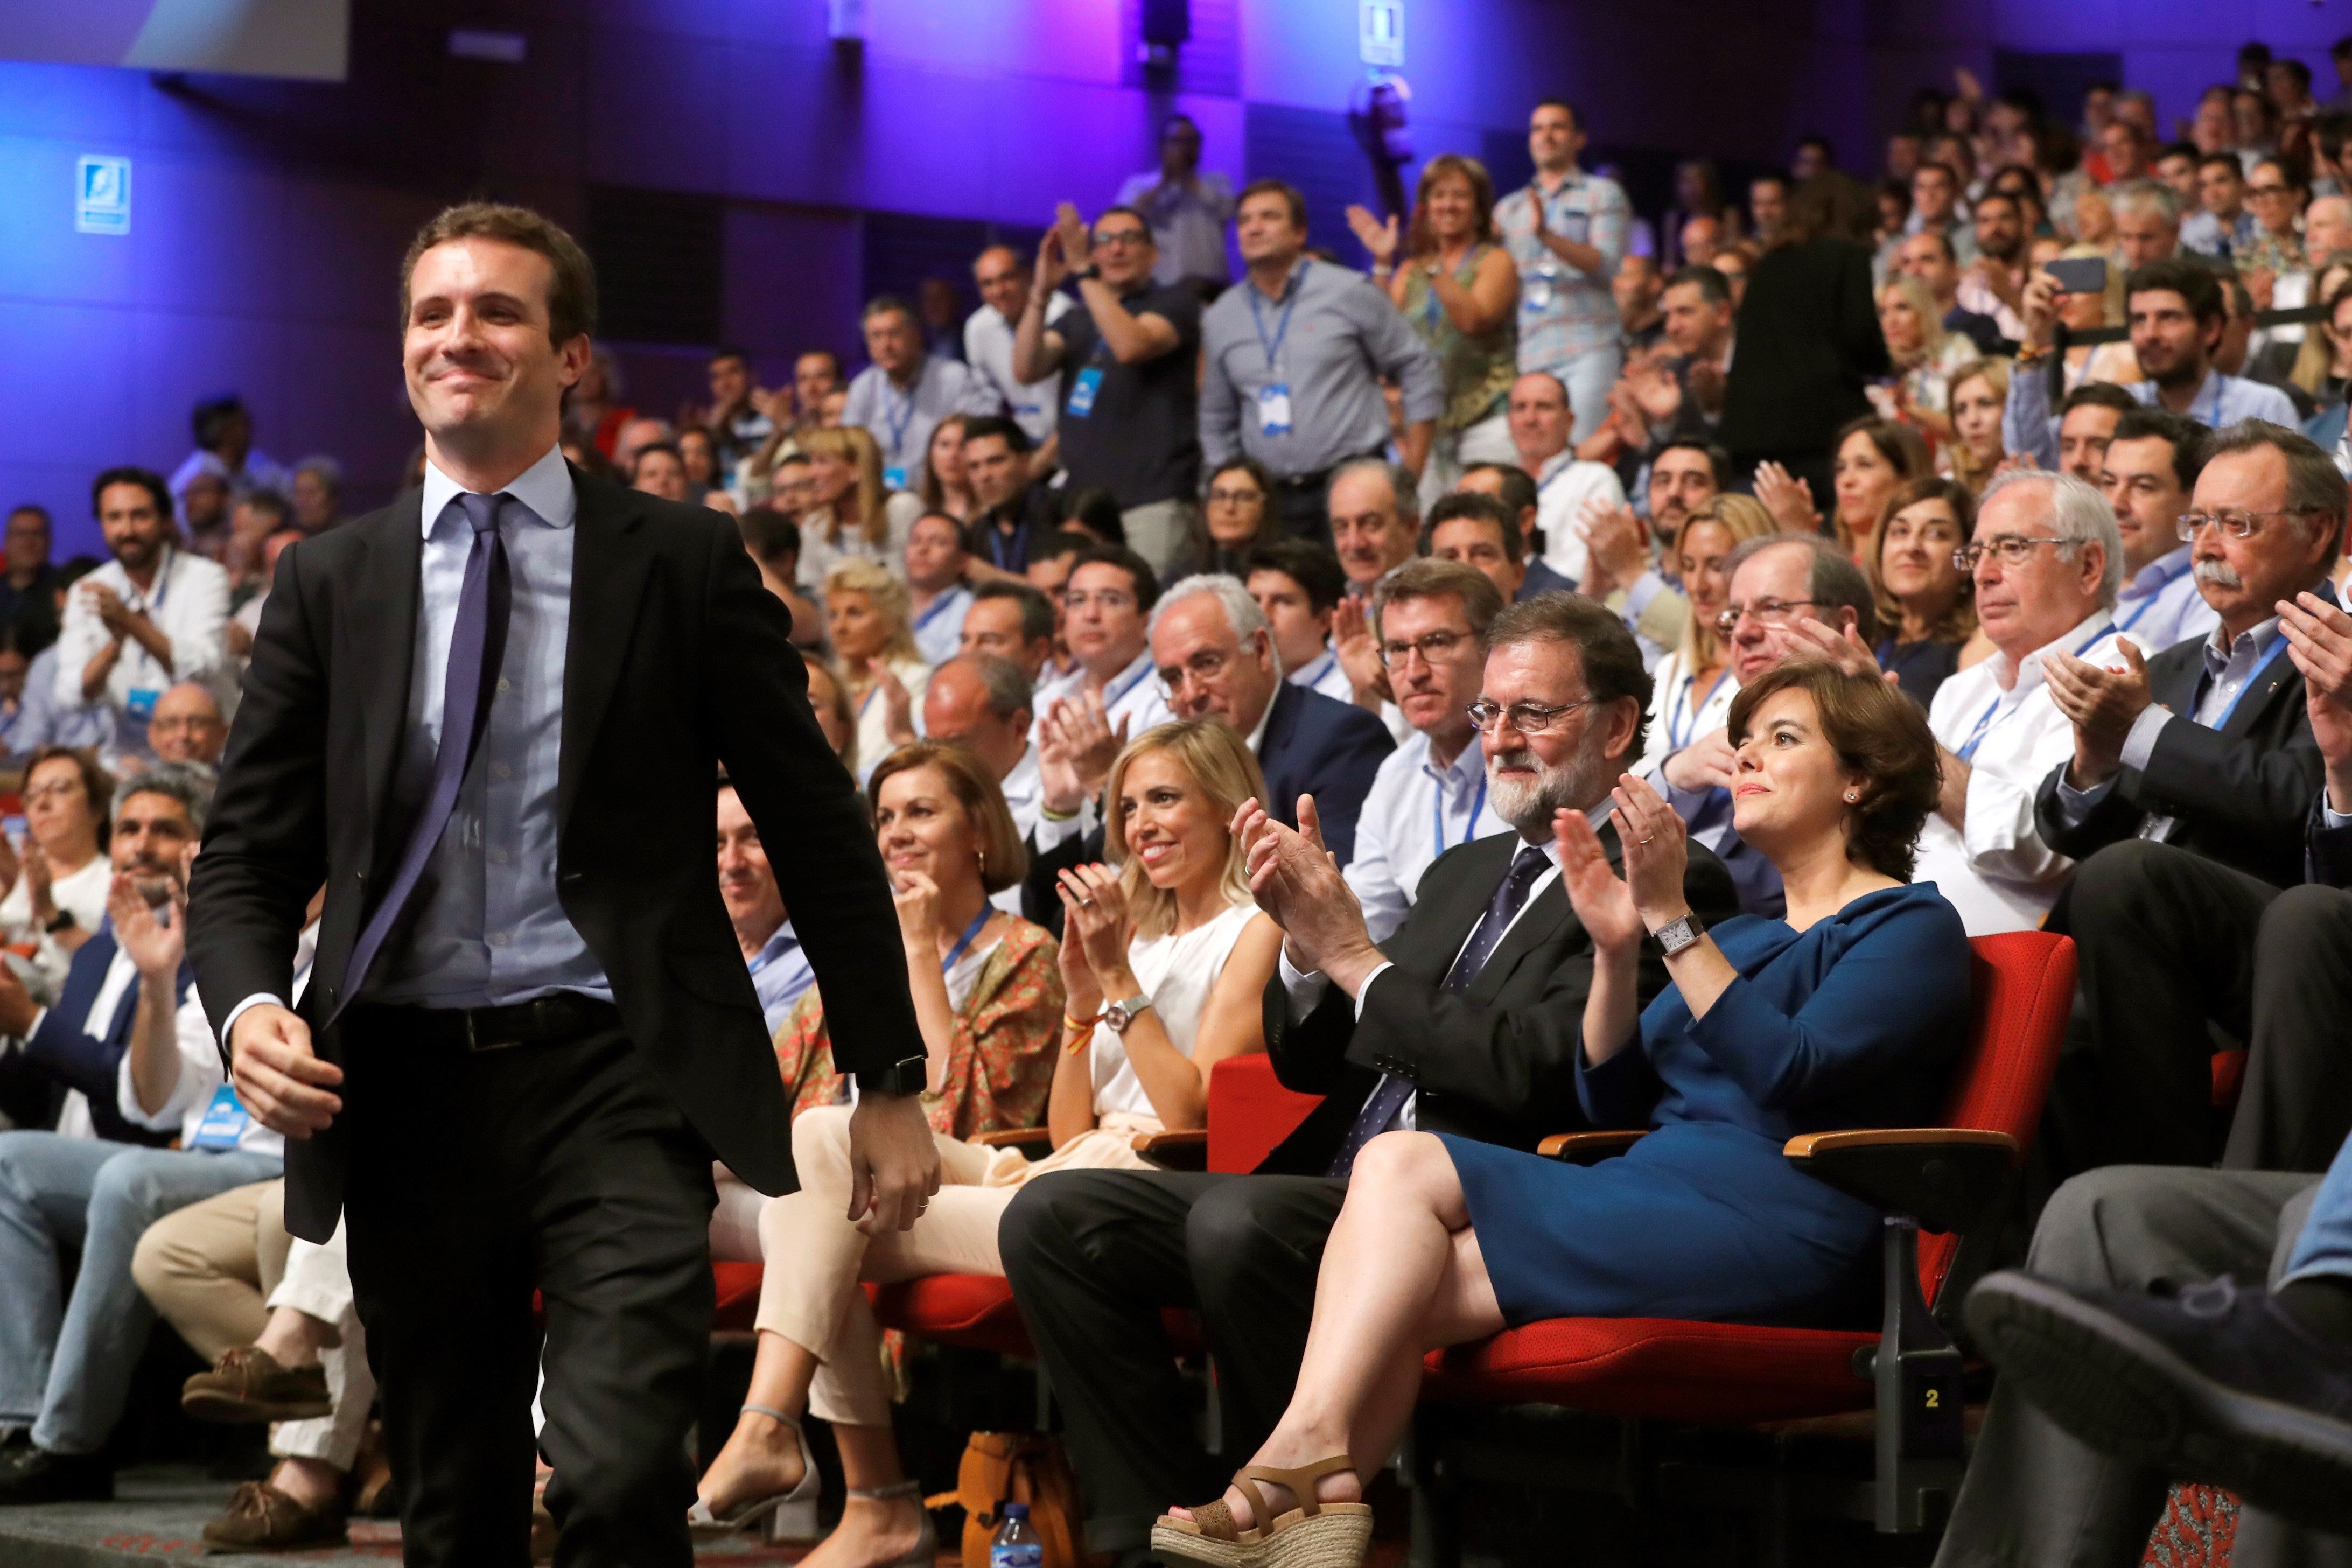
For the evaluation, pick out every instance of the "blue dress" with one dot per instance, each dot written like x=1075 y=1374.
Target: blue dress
x=1857 y=1022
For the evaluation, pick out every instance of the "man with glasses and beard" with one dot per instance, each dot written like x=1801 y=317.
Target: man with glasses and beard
x=1466 y=1020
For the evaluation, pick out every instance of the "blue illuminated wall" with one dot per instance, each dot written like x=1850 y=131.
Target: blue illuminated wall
x=268 y=217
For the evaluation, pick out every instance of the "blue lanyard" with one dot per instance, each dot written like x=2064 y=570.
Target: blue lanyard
x=2253 y=678
x=1678 y=738
x=898 y=427
x=1318 y=670
x=1469 y=824
x=1967 y=749
x=1111 y=699
x=964 y=941
x=937 y=605
x=1282 y=327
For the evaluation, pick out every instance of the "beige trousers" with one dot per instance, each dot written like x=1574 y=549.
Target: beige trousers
x=815 y=1258
x=216 y=1270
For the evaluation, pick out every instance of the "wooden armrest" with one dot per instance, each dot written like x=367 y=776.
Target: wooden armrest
x=1011 y=1138
x=1588 y=1148
x=1948 y=1178
x=1176 y=1150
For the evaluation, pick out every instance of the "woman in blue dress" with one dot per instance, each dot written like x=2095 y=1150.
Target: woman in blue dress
x=1851 y=1012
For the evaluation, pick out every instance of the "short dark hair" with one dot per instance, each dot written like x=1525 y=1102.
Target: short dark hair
x=1769 y=177
x=1519 y=491
x=1943 y=242
x=2229 y=160
x=1711 y=285
x=642 y=453
x=828 y=356
x=2197 y=286
x=2098 y=395
x=883 y=305
x=1122 y=210
x=571 y=293
x=1097 y=510
x=1061 y=541
x=210 y=419
x=1312 y=566
x=1877 y=733
x=1015 y=439
x=1036 y=610
x=1147 y=583
x=147 y=479
x=1719 y=461
x=96 y=782
x=269 y=502
x=2179 y=150
x=1478 y=506
x=728 y=351
x=769 y=534
x=34 y=509
x=1554 y=100
x=2186 y=436
x=1291 y=194
x=1611 y=658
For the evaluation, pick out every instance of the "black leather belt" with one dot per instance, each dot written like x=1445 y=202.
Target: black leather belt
x=542 y=1020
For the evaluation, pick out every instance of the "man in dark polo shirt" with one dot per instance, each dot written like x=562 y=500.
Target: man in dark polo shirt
x=1129 y=420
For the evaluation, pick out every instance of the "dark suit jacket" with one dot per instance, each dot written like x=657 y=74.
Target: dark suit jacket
x=1808 y=344
x=1496 y=1061
x=678 y=660
x=73 y=1050
x=1314 y=745
x=2330 y=861
x=2242 y=793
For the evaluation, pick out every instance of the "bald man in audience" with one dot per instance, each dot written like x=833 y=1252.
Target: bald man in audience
x=188 y=726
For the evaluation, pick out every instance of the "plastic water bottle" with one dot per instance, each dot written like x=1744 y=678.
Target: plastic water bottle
x=1014 y=1544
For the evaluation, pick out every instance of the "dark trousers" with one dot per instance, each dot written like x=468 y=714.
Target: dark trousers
x=1094 y=1256
x=1303 y=506
x=475 y=1178
x=2173 y=946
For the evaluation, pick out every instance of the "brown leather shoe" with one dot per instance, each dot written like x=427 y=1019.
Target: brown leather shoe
x=247 y=1384
x=260 y=1517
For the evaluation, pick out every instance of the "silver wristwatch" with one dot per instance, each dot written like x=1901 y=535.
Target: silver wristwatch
x=1119 y=1014
x=1680 y=934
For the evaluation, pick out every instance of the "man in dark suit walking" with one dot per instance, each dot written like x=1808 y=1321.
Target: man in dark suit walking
x=2190 y=802
x=487 y=717
x=1465 y=1021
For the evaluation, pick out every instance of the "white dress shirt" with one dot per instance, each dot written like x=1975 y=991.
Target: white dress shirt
x=201 y=1075
x=1414 y=812
x=187 y=601
x=1996 y=869
x=2160 y=605
x=1566 y=483
x=939 y=626
x=988 y=347
x=1326 y=674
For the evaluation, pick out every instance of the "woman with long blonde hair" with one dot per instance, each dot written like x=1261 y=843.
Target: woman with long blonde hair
x=851 y=515
x=1977 y=395
x=1927 y=356
x=1164 y=961
x=1692 y=690
x=869 y=616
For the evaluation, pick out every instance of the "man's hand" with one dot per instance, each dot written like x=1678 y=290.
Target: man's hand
x=2319 y=640
x=1077 y=244
x=1076 y=746
x=1617 y=548
x=155 y=946
x=1360 y=653
x=1707 y=762
x=894 y=1163
x=280 y=1079
x=1052 y=265
x=2039 y=309
x=1997 y=281
x=2102 y=705
x=112 y=614
x=1297 y=884
x=1706 y=383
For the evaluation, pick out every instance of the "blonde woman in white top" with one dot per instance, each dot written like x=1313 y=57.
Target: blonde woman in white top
x=1692 y=690
x=1164 y=961
x=869 y=616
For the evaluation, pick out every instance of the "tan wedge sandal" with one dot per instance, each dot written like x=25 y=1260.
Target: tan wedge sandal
x=1312 y=1535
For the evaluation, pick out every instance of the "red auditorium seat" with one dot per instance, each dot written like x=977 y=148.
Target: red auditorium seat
x=1946 y=1179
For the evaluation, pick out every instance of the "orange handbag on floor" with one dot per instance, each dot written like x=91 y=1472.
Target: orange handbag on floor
x=1019 y=1466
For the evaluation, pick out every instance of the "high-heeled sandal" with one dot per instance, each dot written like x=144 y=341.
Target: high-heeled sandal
x=789 y=1516
x=1315 y=1534
x=926 y=1549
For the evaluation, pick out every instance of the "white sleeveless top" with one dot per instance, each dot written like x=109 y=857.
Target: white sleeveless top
x=1178 y=973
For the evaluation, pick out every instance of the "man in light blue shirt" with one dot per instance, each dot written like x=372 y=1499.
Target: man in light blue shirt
x=780 y=969
x=2177 y=315
x=1566 y=230
x=2149 y=472
x=901 y=398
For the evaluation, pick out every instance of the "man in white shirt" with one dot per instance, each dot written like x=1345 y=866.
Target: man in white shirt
x=1189 y=211
x=755 y=906
x=981 y=701
x=1005 y=276
x=1430 y=795
x=65 y=1357
x=1998 y=733
x=152 y=617
x=1541 y=422
x=936 y=567
x=2149 y=471
x=1300 y=585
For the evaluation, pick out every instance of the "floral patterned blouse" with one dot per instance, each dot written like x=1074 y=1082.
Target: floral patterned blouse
x=1000 y=1067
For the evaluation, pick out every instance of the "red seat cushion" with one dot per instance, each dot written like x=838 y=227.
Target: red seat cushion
x=2229 y=1078
x=1659 y=1368
x=739 y=1296
x=977 y=1311
x=1250 y=1113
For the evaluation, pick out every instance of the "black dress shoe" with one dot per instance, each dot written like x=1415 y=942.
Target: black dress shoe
x=2214 y=1385
x=35 y=1475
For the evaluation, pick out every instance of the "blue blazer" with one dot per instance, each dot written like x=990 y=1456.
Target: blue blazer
x=1321 y=746
x=78 y=1051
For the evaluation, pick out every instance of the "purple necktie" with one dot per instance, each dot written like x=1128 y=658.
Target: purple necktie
x=1389 y=1095
x=476 y=647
